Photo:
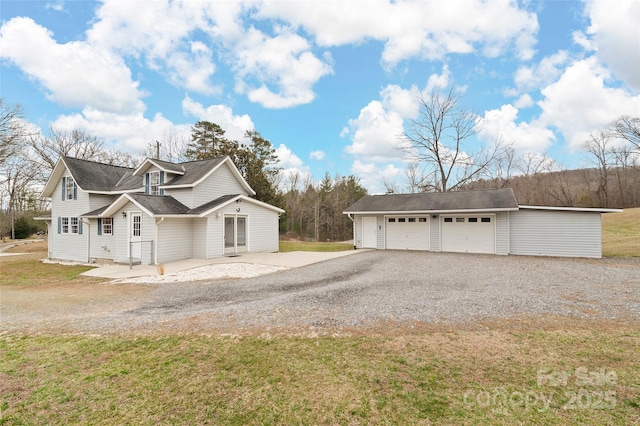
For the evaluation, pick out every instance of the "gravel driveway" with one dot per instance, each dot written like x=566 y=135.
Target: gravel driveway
x=369 y=288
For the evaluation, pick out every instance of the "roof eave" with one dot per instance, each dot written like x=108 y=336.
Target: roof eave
x=572 y=209
x=449 y=211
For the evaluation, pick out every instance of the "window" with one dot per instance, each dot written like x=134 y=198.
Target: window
x=448 y=219
x=473 y=219
x=422 y=219
x=107 y=225
x=402 y=219
x=74 y=224
x=68 y=188
x=412 y=219
x=154 y=183
x=392 y=219
x=65 y=225
x=137 y=223
x=486 y=219
x=459 y=219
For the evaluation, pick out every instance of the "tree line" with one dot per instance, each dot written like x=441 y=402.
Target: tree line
x=27 y=159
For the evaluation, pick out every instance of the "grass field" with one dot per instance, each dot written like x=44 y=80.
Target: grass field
x=457 y=377
x=621 y=233
x=552 y=371
x=314 y=246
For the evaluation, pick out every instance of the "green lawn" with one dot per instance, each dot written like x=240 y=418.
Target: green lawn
x=313 y=246
x=621 y=233
x=444 y=378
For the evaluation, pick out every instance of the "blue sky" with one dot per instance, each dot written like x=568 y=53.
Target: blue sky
x=330 y=83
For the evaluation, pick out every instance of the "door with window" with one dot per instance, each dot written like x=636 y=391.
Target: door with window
x=135 y=235
x=235 y=234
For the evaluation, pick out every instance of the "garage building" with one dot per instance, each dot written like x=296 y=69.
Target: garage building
x=489 y=221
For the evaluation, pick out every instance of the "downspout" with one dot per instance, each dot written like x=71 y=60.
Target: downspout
x=88 y=223
x=354 y=229
x=155 y=243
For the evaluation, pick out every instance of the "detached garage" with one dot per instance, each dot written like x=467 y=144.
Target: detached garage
x=488 y=221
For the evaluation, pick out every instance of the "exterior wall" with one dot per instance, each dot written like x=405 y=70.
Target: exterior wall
x=380 y=243
x=199 y=238
x=555 y=233
x=122 y=232
x=102 y=247
x=99 y=200
x=175 y=239
x=502 y=233
x=434 y=240
x=68 y=246
x=215 y=232
x=219 y=183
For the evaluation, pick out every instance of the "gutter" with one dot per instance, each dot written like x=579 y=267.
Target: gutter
x=155 y=251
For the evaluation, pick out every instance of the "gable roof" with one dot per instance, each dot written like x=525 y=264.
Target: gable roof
x=162 y=165
x=93 y=176
x=197 y=171
x=220 y=202
x=436 y=202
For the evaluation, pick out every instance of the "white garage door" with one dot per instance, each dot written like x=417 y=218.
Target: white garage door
x=471 y=234
x=407 y=232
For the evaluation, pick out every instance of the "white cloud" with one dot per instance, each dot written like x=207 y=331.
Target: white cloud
x=615 y=32
x=545 y=72
x=74 y=74
x=234 y=125
x=524 y=101
x=126 y=132
x=413 y=29
x=374 y=176
x=501 y=124
x=580 y=102
x=317 y=155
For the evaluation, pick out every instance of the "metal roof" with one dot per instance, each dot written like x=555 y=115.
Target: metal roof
x=487 y=200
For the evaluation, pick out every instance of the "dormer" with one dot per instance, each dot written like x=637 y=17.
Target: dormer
x=156 y=173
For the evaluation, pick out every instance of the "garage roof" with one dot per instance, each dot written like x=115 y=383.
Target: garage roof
x=437 y=202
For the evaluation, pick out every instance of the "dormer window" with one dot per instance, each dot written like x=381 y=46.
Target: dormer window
x=69 y=188
x=153 y=182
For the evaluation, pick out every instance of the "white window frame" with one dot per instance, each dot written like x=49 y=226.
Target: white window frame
x=154 y=183
x=107 y=226
x=74 y=225
x=68 y=190
x=64 y=225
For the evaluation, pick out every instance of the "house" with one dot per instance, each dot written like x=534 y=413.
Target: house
x=488 y=221
x=157 y=213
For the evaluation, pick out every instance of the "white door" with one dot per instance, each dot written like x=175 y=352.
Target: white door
x=369 y=234
x=470 y=234
x=135 y=235
x=235 y=234
x=407 y=232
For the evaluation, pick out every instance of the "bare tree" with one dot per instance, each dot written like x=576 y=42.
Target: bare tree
x=12 y=130
x=59 y=142
x=438 y=140
x=600 y=147
x=628 y=128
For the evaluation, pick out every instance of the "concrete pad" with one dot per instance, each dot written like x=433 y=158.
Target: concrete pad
x=293 y=259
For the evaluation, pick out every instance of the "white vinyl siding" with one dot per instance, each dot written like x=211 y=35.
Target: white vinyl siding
x=175 y=240
x=68 y=246
x=102 y=246
x=555 y=233
x=502 y=233
x=434 y=237
x=200 y=238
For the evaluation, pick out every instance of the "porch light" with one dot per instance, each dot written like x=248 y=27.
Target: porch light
x=124 y=215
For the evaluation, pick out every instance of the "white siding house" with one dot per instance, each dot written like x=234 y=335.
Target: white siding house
x=160 y=212
x=475 y=222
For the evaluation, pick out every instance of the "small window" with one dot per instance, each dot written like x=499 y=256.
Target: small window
x=448 y=219
x=74 y=225
x=412 y=219
x=392 y=219
x=65 y=225
x=422 y=219
x=107 y=225
x=69 y=188
x=473 y=219
x=459 y=219
x=154 y=183
x=486 y=219
x=402 y=219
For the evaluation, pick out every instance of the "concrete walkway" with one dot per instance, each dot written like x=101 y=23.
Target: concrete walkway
x=293 y=259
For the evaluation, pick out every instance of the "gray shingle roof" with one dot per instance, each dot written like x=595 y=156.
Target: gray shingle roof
x=211 y=204
x=436 y=201
x=92 y=176
x=160 y=204
x=194 y=171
